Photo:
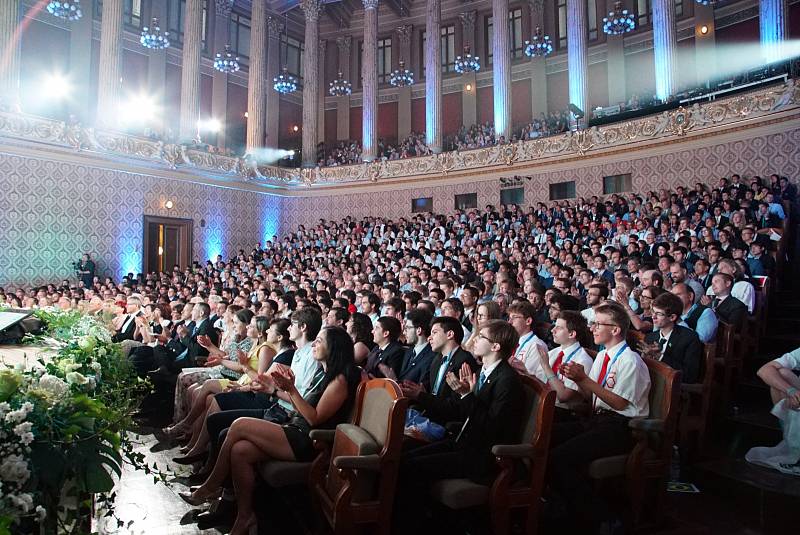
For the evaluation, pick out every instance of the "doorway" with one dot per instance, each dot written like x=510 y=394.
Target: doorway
x=167 y=243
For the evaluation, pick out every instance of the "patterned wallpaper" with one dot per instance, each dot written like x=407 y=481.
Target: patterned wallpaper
x=51 y=212
x=761 y=155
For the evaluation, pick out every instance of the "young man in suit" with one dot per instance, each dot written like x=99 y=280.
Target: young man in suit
x=618 y=388
x=489 y=404
x=388 y=352
x=676 y=346
x=419 y=357
x=728 y=308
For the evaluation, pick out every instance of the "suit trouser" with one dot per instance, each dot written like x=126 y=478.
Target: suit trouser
x=574 y=445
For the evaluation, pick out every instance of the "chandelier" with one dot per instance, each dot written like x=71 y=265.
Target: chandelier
x=153 y=38
x=539 y=46
x=618 y=21
x=285 y=83
x=340 y=87
x=401 y=76
x=706 y=2
x=226 y=62
x=65 y=9
x=467 y=62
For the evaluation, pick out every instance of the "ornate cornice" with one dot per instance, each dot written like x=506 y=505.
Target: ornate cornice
x=370 y=4
x=224 y=7
x=344 y=42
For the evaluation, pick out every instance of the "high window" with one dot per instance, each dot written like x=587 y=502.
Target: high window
x=515 y=36
x=240 y=35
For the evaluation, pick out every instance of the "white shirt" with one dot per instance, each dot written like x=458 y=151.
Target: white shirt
x=304 y=368
x=580 y=356
x=487 y=370
x=666 y=341
x=527 y=352
x=789 y=360
x=626 y=376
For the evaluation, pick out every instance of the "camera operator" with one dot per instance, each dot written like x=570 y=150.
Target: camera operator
x=85 y=271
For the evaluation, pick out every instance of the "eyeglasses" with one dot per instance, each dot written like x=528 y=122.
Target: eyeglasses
x=515 y=317
x=596 y=323
x=660 y=314
x=480 y=335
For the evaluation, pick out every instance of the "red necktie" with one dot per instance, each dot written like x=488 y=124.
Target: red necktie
x=604 y=369
x=557 y=363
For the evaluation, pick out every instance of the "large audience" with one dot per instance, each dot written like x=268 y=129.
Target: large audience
x=271 y=343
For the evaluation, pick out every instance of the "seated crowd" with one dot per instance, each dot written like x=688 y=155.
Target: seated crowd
x=273 y=343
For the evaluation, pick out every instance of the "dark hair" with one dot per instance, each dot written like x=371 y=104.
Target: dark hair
x=456 y=303
x=391 y=325
x=501 y=332
x=362 y=329
x=262 y=324
x=669 y=303
x=398 y=304
x=282 y=328
x=311 y=318
x=340 y=313
x=340 y=360
x=523 y=308
x=575 y=321
x=618 y=316
x=207 y=309
x=245 y=316
x=420 y=319
x=450 y=324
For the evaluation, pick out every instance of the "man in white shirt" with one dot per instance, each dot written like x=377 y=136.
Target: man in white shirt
x=569 y=328
x=618 y=386
x=525 y=358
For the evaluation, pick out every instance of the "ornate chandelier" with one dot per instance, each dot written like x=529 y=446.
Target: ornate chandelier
x=467 y=62
x=707 y=2
x=285 y=83
x=226 y=62
x=340 y=87
x=618 y=21
x=153 y=38
x=539 y=46
x=401 y=76
x=65 y=9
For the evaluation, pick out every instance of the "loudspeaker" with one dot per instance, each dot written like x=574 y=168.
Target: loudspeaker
x=576 y=111
x=15 y=324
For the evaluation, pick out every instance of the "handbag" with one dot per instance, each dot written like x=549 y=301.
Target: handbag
x=422 y=428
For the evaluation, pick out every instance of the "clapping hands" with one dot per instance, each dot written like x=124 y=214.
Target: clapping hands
x=464 y=383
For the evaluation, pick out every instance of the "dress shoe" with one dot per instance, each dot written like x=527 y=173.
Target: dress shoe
x=192 y=498
x=190 y=459
x=223 y=514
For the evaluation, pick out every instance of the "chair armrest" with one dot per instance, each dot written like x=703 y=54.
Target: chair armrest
x=647 y=424
x=454 y=428
x=695 y=388
x=323 y=435
x=514 y=451
x=358 y=462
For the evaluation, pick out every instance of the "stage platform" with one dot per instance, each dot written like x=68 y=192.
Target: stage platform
x=12 y=355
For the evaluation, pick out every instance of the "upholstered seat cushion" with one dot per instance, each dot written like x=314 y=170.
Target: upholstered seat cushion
x=459 y=493
x=284 y=473
x=352 y=440
x=608 y=467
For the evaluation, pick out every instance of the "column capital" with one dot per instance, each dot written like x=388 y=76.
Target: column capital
x=467 y=21
x=537 y=6
x=274 y=27
x=224 y=7
x=404 y=34
x=370 y=4
x=312 y=9
x=344 y=42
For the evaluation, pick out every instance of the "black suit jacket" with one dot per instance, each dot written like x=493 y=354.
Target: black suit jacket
x=194 y=348
x=459 y=358
x=417 y=368
x=392 y=356
x=732 y=311
x=684 y=352
x=126 y=334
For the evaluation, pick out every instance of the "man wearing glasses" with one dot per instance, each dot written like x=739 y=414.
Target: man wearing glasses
x=617 y=386
x=675 y=345
x=525 y=358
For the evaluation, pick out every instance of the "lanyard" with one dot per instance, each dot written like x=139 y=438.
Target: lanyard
x=523 y=344
x=611 y=364
x=572 y=354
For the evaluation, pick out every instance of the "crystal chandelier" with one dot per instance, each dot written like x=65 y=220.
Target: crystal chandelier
x=226 y=62
x=618 y=21
x=65 y=9
x=153 y=38
x=539 y=46
x=467 y=62
x=401 y=76
x=340 y=87
x=285 y=83
x=706 y=2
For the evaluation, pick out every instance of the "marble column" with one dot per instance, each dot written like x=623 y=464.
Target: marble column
x=705 y=47
x=157 y=70
x=322 y=92
x=538 y=65
x=433 y=76
x=501 y=69
x=219 y=80
x=577 y=55
x=108 y=80
x=404 y=93
x=665 y=45
x=311 y=10
x=82 y=105
x=343 y=44
x=773 y=18
x=271 y=120
x=615 y=47
x=9 y=53
x=258 y=84
x=469 y=100
x=369 y=82
x=190 y=70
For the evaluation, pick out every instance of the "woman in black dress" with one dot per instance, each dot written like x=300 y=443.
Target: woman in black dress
x=325 y=404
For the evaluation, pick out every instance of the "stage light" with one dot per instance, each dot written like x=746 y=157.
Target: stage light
x=169 y=205
x=703 y=29
x=246 y=115
x=468 y=87
x=56 y=86
x=290 y=154
x=138 y=109
x=295 y=128
x=209 y=125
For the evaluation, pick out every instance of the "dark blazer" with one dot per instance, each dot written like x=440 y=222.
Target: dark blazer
x=392 y=356
x=732 y=311
x=189 y=342
x=684 y=352
x=459 y=358
x=492 y=415
x=127 y=334
x=417 y=368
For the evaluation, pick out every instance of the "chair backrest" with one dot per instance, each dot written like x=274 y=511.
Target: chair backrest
x=725 y=334
x=538 y=406
x=374 y=401
x=707 y=372
x=664 y=400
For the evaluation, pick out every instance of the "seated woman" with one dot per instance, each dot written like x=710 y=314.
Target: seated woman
x=325 y=404
x=360 y=329
x=195 y=384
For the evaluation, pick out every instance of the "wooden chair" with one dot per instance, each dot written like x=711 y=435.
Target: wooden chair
x=649 y=460
x=509 y=492
x=696 y=403
x=728 y=359
x=354 y=478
